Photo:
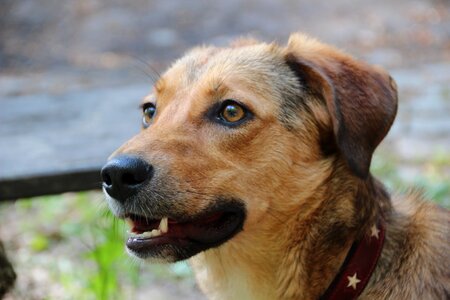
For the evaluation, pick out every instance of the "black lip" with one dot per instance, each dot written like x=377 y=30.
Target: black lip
x=194 y=238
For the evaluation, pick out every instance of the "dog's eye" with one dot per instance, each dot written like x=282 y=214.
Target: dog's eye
x=232 y=112
x=149 y=111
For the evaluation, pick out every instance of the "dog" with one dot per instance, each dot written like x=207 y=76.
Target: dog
x=253 y=162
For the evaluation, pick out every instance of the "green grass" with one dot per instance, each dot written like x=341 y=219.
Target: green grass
x=87 y=244
x=98 y=266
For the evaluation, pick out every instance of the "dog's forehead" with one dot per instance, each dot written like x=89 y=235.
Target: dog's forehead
x=259 y=68
x=205 y=63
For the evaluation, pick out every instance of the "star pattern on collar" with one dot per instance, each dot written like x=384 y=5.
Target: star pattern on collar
x=374 y=231
x=353 y=281
x=359 y=264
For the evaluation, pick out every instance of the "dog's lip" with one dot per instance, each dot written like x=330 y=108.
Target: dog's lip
x=204 y=230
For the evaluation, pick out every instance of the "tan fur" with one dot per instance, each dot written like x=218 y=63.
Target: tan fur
x=305 y=208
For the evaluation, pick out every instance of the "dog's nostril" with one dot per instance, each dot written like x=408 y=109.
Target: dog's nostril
x=107 y=179
x=132 y=179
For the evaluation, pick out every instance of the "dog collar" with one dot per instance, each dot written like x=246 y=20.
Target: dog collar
x=358 y=266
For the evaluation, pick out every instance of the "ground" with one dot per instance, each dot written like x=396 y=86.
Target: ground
x=61 y=246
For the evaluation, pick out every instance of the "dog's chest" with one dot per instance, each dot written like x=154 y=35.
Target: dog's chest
x=220 y=281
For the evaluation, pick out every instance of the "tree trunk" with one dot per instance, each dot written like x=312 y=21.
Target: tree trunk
x=7 y=274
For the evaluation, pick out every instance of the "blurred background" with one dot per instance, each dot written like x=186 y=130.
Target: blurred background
x=64 y=62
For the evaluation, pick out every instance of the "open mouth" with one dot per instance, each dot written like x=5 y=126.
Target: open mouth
x=175 y=239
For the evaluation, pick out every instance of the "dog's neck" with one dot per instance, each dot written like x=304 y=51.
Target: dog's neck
x=302 y=257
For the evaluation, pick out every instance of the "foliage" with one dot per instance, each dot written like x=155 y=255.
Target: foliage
x=430 y=177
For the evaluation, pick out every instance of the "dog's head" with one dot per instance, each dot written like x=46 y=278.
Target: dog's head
x=232 y=135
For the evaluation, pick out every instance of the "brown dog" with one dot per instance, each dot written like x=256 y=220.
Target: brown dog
x=254 y=162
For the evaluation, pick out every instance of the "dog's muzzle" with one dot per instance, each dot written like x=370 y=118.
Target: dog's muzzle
x=162 y=223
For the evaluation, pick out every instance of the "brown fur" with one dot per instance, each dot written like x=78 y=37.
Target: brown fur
x=301 y=167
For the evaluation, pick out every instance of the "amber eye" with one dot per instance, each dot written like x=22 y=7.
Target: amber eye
x=149 y=111
x=232 y=112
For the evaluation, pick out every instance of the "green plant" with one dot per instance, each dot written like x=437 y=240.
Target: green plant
x=110 y=260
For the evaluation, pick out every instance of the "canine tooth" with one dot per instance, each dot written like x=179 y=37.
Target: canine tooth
x=129 y=222
x=164 y=225
x=155 y=232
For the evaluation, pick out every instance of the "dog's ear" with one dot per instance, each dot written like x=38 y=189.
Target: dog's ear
x=361 y=99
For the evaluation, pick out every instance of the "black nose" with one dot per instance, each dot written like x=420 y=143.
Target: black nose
x=124 y=175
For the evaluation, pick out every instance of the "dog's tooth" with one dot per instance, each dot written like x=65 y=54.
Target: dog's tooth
x=164 y=225
x=129 y=222
x=133 y=234
x=155 y=232
x=147 y=234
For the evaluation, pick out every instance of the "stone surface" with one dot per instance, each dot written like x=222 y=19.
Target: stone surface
x=58 y=142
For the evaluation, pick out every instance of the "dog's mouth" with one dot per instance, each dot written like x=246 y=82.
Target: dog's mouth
x=172 y=239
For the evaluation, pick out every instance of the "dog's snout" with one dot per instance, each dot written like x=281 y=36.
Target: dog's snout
x=123 y=176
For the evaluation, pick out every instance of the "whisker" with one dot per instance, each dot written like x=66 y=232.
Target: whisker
x=154 y=75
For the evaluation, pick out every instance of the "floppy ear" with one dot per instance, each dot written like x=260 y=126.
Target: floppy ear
x=361 y=99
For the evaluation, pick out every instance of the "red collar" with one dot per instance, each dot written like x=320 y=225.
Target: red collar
x=358 y=266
